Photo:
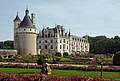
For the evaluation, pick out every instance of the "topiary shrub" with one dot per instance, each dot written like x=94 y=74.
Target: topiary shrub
x=65 y=54
x=116 y=59
x=40 y=61
x=56 y=60
x=58 y=54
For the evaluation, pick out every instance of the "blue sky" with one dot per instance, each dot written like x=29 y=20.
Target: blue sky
x=91 y=17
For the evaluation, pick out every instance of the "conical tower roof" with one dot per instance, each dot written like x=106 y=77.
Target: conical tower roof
x=17 y=18
x=27 y=22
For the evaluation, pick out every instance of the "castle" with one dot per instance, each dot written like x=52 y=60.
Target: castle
x=48 y=40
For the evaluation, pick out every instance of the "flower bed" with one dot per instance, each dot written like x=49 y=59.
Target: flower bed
x=87 y=68
x=41 y=77
x=66 y=67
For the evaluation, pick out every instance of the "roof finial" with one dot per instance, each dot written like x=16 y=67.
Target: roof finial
x=17 y=13
x=55 y=25
x=26 y=7
x=27 y=11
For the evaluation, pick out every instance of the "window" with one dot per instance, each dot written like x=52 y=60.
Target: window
x=45 y=35
x=67 y=47
x=56 y=40
x=45 y=41
x=30 y=29
x=60 y=46
x=39 y=41
x=51 y=41
x=39 y=47
x=45 y=46
x=64 y=40
x=51 y=46
x=63 y=46
x=67 y=42
x=60 y=41
x=24 y=29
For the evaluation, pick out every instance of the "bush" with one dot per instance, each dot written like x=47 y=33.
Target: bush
x=65 y=54
x=116 y=59
x=56 y=60
x=58 y=54
x=40 y=61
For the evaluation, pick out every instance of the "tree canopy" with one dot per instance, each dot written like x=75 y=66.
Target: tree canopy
x=98 y=44
x=104 y=45
x=6 y=45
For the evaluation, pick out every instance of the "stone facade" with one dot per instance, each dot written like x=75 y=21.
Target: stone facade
x=49 y=40
x=52 y=40
x=25 y=34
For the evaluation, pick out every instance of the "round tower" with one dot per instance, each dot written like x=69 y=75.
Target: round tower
x=17 y=22
x=27 y=36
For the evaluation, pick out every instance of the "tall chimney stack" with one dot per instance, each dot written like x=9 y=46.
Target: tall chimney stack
x=33 y=18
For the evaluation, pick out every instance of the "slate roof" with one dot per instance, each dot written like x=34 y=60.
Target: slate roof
x=27 y=22
x=17 y=18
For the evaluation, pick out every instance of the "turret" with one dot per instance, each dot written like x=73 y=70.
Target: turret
x=26 y=36
x=16 y=21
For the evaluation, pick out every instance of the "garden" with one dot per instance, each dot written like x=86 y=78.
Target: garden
x=66 y=68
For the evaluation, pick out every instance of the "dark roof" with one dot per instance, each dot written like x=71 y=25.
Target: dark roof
x=17 y=18
x=27 y=22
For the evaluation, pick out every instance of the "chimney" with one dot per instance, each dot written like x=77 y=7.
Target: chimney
x=33 y=18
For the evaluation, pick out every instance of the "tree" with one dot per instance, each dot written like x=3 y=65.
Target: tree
x=104 y=45
x=6 y=45
x=116 y=59
x=100 y=59
x=117 y=38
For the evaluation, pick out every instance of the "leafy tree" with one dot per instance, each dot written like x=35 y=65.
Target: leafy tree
x=40 y=61
x=104 y=45
x=116 y=59
x=6 y=45
x=117 y=38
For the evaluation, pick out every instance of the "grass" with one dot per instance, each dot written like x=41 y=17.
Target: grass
x=107 y=75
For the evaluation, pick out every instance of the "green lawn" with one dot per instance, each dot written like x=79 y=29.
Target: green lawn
x=107 y=75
